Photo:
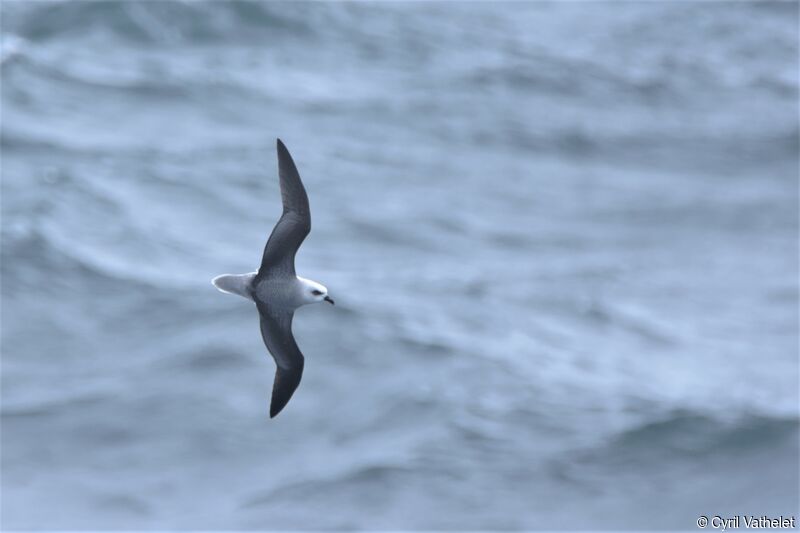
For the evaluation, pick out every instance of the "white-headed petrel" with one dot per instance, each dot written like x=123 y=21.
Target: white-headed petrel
x=276 y=289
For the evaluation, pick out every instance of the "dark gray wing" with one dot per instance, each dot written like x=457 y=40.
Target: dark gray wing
x=294 y=224
x=276 y=330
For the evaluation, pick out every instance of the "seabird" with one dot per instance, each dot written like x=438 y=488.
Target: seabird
x=275 y=288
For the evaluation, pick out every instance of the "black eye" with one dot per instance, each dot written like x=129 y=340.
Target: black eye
x=315 y=292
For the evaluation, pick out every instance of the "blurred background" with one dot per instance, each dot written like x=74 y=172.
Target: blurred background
x=562 y=239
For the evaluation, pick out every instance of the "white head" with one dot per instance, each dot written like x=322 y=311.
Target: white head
x=313 y=292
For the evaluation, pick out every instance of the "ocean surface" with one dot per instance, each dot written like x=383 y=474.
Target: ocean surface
x=562 y=239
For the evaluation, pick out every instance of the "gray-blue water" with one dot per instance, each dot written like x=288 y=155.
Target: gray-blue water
x=562 y=239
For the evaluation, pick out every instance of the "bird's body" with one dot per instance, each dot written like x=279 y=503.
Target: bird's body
x=275 y=288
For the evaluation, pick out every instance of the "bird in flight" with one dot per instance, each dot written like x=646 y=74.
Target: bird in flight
x=276 y=289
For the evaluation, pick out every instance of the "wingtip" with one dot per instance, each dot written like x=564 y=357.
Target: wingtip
x=279 y=143
x=277 y=405
x=273 y=411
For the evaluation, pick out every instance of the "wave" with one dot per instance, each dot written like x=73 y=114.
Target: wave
x=52 y=406
x=14 y=141
x=366 y=474
x=589 y=79
x=708 y=149
x=570 y=77
x=158 y=22
x=29 y=255
x=694 y=435
x=142 y=86
x=12 y=47
x=211 y=359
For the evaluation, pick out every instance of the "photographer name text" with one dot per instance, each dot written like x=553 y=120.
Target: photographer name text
x=746 y=521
